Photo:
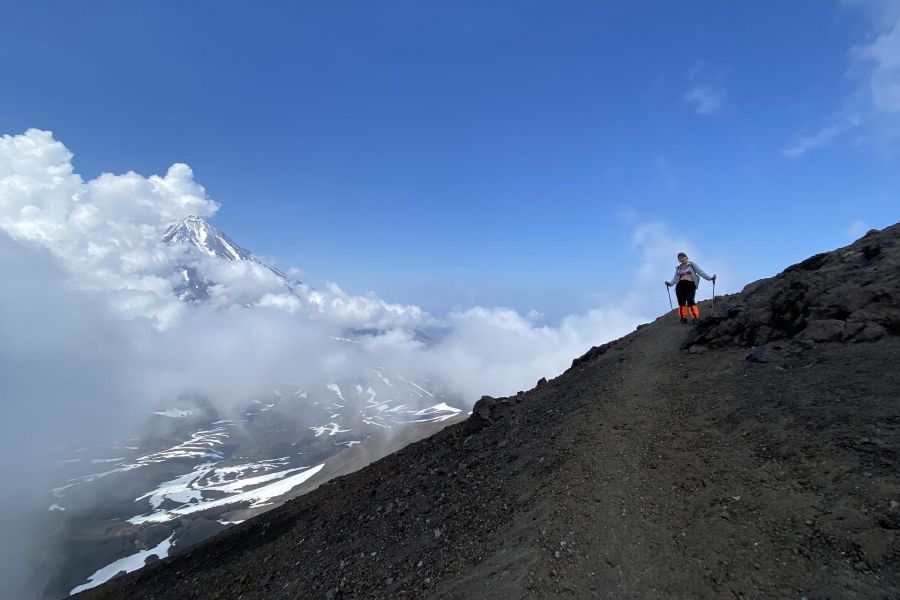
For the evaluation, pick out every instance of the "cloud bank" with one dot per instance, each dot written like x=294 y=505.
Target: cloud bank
x=94 y=336
x=103 y=238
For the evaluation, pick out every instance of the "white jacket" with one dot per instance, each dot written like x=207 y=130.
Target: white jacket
x=696 y=273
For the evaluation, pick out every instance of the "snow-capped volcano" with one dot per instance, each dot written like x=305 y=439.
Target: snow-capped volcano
x=196 y=232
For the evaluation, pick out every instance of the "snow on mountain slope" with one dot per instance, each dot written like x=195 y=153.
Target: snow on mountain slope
x=198 y=235
x=126 y=564
x=198 y=467
x=209 y=473
x=196 y=232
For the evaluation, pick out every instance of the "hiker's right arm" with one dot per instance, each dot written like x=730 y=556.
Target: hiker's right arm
x=674 y=279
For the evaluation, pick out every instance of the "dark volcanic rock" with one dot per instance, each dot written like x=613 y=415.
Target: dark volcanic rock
x=644 y=471
x=850 y=294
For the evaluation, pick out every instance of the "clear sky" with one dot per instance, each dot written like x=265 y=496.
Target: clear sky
x=492 y=153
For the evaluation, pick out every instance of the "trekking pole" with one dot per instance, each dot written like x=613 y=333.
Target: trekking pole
x=714 y=296
x=669 y=293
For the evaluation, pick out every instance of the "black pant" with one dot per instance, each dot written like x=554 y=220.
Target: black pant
x=684 y=291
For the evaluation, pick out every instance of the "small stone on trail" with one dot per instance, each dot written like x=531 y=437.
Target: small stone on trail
x=389 y=581
x=437 y=533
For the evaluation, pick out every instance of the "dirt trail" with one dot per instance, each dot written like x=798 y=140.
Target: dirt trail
x=700 y=476
x=597 y=523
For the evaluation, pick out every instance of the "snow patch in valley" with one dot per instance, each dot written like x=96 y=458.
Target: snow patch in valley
x=331 y=429
x=257 y=498
x=337 y=390
x=191 y=487
x=127 y=564
x=349 y=443
x=437 y=408
x=417 y=386
x=382 y=378
x=199 y=446
x=239 y=485
x=174 y=413
x=438 y=412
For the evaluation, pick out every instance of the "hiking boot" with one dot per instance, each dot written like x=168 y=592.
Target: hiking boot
x=684 y=320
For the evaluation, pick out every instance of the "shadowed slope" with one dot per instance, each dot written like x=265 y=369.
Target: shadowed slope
x=644 y=471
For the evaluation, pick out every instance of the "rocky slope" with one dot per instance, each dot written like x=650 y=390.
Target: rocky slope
x=755 y=456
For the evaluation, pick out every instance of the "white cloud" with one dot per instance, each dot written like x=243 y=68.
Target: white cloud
x=106 y=233
x=874 y=107
x=497 y=351
x=105 y=236
x=882 y=59
x=822 y=138
x=705 y=98
x=658 y=247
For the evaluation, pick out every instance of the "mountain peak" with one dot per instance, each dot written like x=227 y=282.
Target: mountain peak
x=196 y=232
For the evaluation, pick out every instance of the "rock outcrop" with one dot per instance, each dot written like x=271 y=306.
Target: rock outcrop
x=847 y=295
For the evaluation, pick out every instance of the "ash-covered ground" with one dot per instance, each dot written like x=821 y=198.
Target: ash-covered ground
x=754 y=456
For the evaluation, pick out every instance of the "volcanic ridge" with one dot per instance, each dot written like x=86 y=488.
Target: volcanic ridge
x=755 y=455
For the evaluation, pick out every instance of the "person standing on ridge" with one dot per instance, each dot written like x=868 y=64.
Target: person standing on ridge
x=687 y=278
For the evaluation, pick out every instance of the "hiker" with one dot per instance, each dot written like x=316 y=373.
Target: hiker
x=687 y=278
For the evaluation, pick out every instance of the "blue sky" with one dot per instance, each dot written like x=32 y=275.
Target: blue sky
x=503 y=153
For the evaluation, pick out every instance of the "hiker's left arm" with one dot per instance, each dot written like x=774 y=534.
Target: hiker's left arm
x=702 y=273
